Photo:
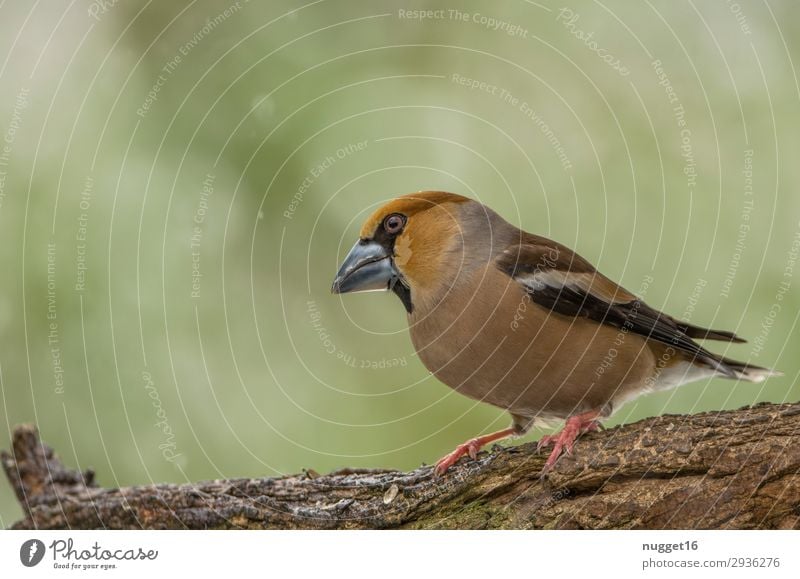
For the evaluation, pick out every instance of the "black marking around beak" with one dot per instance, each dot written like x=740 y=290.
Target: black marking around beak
x=368 y=267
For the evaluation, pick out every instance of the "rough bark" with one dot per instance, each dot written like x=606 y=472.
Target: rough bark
x=737 y=469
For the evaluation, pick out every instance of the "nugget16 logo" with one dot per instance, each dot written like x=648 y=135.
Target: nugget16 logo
x=31 y=552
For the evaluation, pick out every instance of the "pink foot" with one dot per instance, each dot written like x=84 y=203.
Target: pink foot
x=470 y=448
x=564 y=440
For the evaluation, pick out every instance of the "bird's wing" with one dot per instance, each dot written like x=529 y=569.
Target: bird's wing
x=560 y=280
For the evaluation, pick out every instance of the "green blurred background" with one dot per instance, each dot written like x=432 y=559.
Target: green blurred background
x=178 y=181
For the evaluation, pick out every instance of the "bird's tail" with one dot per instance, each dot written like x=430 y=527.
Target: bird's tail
x=726 y=366
x=745 y=371
x=699 y=333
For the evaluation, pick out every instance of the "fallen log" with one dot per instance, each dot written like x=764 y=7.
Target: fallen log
x=733 y=469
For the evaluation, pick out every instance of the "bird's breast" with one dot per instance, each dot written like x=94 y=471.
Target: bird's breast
x=489 y=341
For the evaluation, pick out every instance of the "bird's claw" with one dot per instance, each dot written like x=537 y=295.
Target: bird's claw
x=469 y=448
x=591 y=426
x=545 y=441
x=564 y=441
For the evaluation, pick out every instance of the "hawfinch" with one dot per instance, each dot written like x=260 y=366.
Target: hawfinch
x=522 y=322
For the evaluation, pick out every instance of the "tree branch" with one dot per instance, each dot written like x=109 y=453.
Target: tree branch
x=738 y=469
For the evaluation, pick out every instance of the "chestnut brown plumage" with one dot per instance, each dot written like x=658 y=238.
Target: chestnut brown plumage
x=522 y=322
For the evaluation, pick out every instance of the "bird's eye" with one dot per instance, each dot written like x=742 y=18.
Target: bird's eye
x=394 y=223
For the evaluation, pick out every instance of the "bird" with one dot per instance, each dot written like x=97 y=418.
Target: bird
x=521 y=322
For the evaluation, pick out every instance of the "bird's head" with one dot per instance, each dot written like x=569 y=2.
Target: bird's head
x=403 y=246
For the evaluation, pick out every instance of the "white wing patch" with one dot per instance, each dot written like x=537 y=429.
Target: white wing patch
x=594 y=284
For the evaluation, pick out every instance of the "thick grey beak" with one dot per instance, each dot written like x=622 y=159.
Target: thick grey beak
x=368 y=267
